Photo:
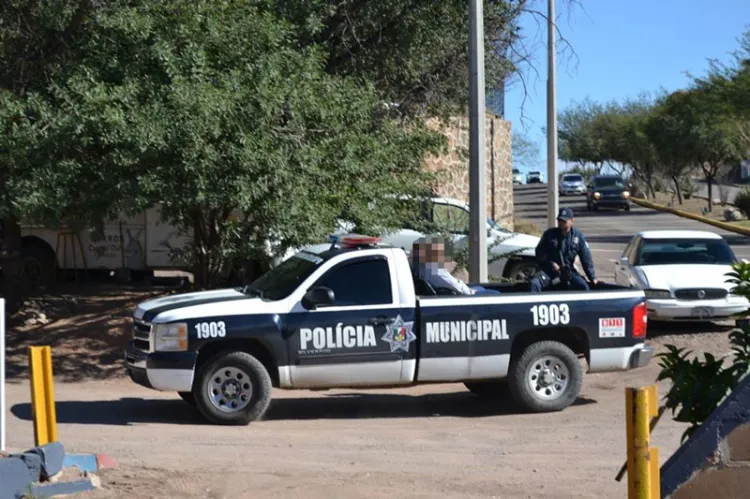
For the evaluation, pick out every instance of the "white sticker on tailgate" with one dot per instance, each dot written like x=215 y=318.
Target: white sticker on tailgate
x=612 y=327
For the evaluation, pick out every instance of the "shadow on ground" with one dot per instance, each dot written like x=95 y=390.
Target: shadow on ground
x=87 y=326
x=339 y=406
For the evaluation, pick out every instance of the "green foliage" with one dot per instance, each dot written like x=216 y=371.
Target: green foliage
x=699 y=386
x=742 y=201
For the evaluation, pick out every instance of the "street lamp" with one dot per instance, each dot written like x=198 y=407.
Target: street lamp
x=552 y=198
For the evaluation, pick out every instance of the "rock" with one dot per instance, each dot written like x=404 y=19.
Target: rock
x=732 y=215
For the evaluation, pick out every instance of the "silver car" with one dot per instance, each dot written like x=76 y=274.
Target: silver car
x=572 y=184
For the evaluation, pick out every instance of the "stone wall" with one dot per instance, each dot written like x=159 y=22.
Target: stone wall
x=453 y=167
x=715 y=461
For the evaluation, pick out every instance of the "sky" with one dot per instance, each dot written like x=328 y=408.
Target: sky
x=622 y=48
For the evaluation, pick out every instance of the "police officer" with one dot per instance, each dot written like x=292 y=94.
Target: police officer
x=556 y=254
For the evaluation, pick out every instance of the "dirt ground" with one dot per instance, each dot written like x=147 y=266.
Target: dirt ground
x=427 y=441
x=696 y=206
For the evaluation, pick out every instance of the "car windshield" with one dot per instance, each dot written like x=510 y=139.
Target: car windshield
x=516 y=170
x=685 y=251
x=609 y=182
x=282 y=280
x=573 y=178
x=494 y=225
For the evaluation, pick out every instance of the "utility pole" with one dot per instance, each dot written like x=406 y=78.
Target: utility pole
x=477 y=162
x=552 y=194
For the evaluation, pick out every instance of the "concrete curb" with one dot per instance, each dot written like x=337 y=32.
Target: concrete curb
x=702 y=447
x=684 y=214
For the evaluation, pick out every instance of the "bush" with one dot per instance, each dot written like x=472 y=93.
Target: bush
x=742 y=201
x=698 y=387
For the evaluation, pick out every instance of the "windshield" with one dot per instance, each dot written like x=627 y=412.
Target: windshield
x=494 y=225
x=516 y=170
x=609 y=182
x=685 y=251
x=573 y=178
x=282 y=280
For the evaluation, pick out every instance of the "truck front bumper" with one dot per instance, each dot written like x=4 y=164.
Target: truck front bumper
x=163 y=371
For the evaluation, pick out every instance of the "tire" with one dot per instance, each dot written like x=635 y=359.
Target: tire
x=521 y=370
x=517 y=268
x=245 y=373
x=489 y=388
x=38 y=264
x=627 y=207
x=187 y=397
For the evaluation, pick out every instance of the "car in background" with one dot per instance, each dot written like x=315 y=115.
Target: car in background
x=513 y=252
x=534 y=177
x=572 y=184
x=517 y=177
x=683 y=274
x=607 y=191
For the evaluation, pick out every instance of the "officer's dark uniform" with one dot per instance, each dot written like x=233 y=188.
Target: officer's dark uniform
x=553 y=245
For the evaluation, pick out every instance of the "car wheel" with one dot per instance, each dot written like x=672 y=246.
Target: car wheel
x=233 y=388
x=546 y=377
x=522 y=271
x=627 y=207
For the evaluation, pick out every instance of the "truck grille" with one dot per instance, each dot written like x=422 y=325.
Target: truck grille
x=141 y=335
x=694 y=293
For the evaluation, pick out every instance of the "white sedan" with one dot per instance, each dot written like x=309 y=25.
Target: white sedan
x=683 y=274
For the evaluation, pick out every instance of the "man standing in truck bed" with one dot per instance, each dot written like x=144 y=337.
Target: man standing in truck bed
x=556 y=254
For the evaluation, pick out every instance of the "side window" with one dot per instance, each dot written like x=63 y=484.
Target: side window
x=453 y=218
x=634 y=251
x=365 y=282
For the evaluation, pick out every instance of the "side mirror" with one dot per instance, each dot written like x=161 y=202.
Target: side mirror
x=318 y=296
x=624 y=260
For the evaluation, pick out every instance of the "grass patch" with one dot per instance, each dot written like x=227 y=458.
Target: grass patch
x=526 y=227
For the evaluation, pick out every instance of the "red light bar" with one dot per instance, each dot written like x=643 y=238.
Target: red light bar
x=355 y=240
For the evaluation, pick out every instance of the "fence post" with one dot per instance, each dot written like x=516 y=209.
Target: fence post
x=42 y=395
x=641 y=405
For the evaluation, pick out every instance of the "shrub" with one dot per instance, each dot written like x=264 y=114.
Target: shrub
x=742 y=201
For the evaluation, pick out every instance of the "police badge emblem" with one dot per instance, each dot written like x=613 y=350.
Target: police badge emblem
x=399 y=334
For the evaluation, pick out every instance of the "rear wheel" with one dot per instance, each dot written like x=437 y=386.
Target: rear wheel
x=546 y=377
x=233 y=388
x=523 y=270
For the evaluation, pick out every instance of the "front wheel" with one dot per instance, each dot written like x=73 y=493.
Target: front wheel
x=233 y=388
x=547 y=377
x=523 y=270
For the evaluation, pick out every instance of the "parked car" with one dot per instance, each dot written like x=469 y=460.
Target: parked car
x=607 y=191
x=683 y=274
x=517 y=177
x=519 y=264
x=310 y=324
x=572 y=184
x=534 y=177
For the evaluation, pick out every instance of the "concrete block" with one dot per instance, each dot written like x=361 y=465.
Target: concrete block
x=14 y=477
x=84 y=462
x=53 y=455
x=33 y=462
x=62 y=488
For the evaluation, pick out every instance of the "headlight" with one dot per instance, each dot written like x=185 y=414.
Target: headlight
x=625 y=194
x=170 y=337
x=596 y=195
x=657 y=293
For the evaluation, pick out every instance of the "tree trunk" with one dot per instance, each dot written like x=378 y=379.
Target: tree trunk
x=200 y=254
x=710 y=181
x=11 y=264
x=677 y=189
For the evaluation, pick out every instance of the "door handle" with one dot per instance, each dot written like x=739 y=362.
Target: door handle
x=381 y=319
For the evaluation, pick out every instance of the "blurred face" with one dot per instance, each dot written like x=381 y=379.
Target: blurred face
x=565 y=225
x=436 y=253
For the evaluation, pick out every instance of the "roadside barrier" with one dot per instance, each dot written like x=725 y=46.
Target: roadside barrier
x=42 y=395
x=684 y=214
x=642 y=465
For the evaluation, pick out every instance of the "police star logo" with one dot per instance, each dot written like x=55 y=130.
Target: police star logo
x=399 y=334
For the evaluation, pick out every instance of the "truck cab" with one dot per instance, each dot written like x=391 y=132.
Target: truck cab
x=354 y=315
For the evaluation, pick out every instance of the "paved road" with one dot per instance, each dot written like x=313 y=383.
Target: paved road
x=608 y=231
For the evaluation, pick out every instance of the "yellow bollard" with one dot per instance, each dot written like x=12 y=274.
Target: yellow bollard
x=643 y=461
x=42 y=395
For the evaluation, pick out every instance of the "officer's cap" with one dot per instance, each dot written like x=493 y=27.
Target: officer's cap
x=565 y=214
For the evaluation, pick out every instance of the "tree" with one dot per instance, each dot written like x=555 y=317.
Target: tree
x=525 y=151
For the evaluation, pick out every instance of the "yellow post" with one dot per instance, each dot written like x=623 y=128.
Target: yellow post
x=643 y=461
x=42 y=395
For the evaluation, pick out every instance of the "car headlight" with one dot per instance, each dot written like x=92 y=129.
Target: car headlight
x=596 y=195
x=657 y=293
x=625 y=194
x=170 y=337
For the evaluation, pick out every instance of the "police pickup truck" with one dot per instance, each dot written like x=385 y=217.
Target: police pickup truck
x=352 y=314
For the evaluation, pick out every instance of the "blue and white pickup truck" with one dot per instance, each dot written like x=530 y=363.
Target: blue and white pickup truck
x=354 y=315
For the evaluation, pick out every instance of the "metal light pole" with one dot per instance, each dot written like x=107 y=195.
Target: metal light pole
x=552 y=195
x=477 y=164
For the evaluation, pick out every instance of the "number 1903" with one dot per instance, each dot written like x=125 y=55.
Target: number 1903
x=211 y=330
x=550 y=315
